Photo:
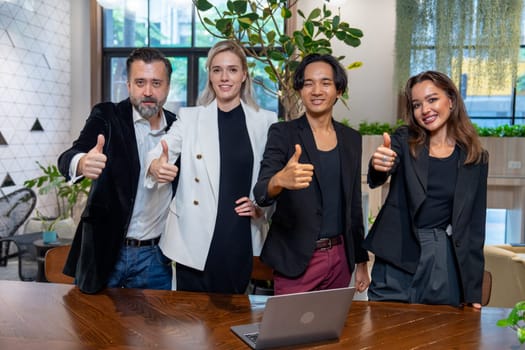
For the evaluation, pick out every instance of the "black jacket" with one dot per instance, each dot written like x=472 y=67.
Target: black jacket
x=296 y=222
x=393 y=237
x=106 y=217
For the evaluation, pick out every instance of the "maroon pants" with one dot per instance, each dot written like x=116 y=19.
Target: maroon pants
x=328 y=269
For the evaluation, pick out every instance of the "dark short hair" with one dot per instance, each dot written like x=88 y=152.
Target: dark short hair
x=340 y=77
x=148 y=55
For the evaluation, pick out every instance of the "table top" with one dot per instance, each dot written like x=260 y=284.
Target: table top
x=58 y=316
x=39 y=243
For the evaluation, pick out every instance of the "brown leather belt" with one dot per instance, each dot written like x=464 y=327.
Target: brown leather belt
x=131 y=242
x=328 y=243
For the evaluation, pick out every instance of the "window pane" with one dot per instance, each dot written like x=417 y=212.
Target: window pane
x=520 y=89
x=202 y=37
x=264 y=98
x=170 y=23
x=178 y=89
x=127 y=25
x=203 y=75
x=179 y=84
x=486 y=106
x=495 y=226
x=118 y=84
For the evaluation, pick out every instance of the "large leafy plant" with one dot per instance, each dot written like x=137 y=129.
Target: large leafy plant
x=262 y=28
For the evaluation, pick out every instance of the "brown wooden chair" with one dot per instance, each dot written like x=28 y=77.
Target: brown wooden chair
x=486 y=288
x=261 y=271
x=55 y=260
x=261 y=277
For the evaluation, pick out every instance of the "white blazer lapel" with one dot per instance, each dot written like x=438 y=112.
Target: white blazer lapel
x=209 y=139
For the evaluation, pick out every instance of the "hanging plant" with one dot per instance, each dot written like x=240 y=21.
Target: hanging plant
x=481 y=37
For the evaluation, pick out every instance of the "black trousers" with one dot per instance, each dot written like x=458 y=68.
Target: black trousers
x=434 y=282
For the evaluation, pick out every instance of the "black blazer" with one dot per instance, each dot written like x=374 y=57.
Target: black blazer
x=105 y=219
x=393 y=237
x=296 y=222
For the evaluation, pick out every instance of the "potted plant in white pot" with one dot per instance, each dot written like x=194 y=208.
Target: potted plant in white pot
x=68 y=196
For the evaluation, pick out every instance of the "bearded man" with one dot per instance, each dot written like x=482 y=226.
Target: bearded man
x=116 y=241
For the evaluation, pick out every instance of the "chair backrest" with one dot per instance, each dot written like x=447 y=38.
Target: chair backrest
x=260 y=271
x=15 y=208
x=55 y=260
x=486 y=288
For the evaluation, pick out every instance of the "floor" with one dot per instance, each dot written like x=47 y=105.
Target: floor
x=10 y=272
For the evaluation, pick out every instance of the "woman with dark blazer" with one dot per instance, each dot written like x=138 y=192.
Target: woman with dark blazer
x=428 y=237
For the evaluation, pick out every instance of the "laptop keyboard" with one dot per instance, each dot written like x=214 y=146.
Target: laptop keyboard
x=252 y=336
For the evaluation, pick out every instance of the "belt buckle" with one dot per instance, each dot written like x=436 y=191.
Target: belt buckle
x=329 y=246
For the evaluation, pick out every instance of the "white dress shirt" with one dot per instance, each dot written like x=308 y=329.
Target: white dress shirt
x=148 y=219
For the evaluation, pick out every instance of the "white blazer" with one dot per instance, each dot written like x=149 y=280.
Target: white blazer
x=192 y=213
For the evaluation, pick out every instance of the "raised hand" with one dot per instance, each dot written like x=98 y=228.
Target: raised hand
x=93 y=163
x=161 y=169
x=294 y=176
x=383 y=158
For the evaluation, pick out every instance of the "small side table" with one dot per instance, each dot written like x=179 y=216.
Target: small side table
x=41 y=249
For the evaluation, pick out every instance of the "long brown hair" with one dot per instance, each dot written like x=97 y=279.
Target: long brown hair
x=459 y=126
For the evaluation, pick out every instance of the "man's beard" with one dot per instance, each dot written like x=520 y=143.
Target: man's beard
x=146 y=112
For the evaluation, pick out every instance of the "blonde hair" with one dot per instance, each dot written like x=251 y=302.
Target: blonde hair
x=208 y=94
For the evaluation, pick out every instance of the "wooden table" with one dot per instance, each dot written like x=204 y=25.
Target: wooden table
x=58 y=316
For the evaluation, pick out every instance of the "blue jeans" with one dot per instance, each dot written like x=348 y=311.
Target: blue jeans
x=141 y=267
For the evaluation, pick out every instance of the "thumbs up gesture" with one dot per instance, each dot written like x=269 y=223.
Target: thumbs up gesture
x=383 y=158
x=161 y=169
x=93 y=163
x=295 y=175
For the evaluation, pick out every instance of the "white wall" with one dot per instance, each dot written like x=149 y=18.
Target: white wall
x=371 y=88
x=35 y=85
x=80 y=65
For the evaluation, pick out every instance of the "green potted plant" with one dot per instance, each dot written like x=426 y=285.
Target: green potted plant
x=501 y=131
x=259 y=27
x=516 y=321
x=67 y=196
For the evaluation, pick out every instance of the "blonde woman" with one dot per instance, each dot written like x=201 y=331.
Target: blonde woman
x=213 y=227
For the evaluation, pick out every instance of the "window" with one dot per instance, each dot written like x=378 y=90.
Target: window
x=477 y=43
x=173 y=27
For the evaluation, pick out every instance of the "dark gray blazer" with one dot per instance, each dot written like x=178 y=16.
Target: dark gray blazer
x=393 y=237
x=105 y=219
x=296 y=222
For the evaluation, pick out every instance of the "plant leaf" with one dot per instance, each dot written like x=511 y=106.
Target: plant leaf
x=314 y=14
x=202 y=5
x=239 y=7
x=354 y=65
x=309 y=29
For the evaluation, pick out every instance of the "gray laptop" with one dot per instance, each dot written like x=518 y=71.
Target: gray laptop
x=299 y=318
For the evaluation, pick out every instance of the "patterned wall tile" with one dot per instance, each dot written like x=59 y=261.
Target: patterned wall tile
x=35 y=85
